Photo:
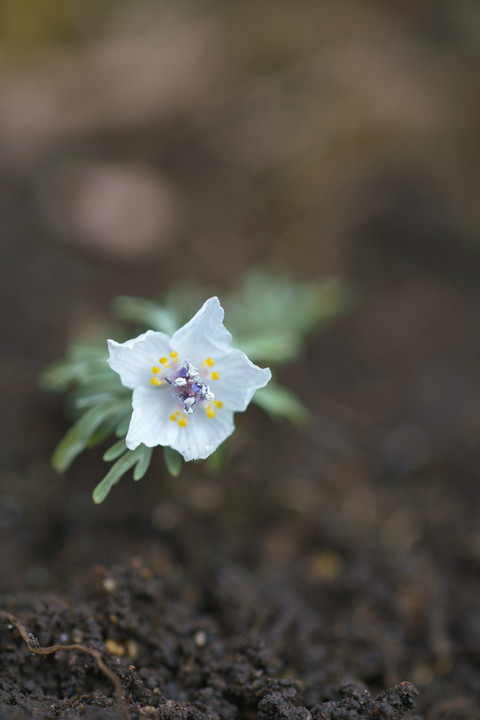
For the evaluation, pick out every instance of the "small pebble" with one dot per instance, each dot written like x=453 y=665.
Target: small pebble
x=200 y=638
x=114 y=648
x=109 y=584
x=326 y=565
x=77 y=636
x=132 y=649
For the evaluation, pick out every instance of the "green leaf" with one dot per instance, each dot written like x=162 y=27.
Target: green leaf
x=84 y=364
x=103 y=432
x=145 y=312
x=173 y=461
x=277 y=347
x=123 y=424
x=123 y=464
x=78 y=436
x=269 y=304
x=114 y=451
x=279 y=402
x=84 y=401
x=98 y=380
x=58 y=376
x=143 y=464
x=87 y=351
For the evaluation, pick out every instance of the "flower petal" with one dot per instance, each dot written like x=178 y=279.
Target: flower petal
x=150 y=423
x=133 y=360
x=238 y=380
x=202 y=435
x=203 y=335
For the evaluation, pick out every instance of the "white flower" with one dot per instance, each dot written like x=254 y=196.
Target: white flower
x=187 y=387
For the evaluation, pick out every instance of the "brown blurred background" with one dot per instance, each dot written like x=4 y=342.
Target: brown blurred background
x=142 y=145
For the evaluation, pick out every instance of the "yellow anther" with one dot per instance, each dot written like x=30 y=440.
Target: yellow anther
x=210 y=411
x=155 y=369
x=163 y=360
x=174 y=416
x=174 y=355
x=155 y=381
x=215 y=375
x=210 y=362
x=218 y=403
x=182 y=421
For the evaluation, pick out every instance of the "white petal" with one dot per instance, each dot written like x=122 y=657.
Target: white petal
x=133 y=360
x=204 y=335
x=202 y=435
x=238 y=380
x=150 y=423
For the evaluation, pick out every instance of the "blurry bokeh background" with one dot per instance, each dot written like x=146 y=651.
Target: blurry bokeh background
x=150 y=143
x=143 y=145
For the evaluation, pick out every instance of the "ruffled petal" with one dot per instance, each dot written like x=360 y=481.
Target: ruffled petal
x=204 y=335
x=133 y=360
x=202 y=435
x=150 y=423
x=238 y=380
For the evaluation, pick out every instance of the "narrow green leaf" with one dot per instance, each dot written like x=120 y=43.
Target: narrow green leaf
x=114 y=451
x=85 y=401
x=99 y=380
x=103 y=432
x=123 y=464
x=143 y=463
x=122 y=425
x=279 y=402
x=58 y=376
x=76 y=439
x=173 y=461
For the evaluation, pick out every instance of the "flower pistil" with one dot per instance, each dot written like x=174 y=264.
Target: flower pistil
x=187 y=385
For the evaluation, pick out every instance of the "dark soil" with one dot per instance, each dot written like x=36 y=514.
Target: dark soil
x=227 y=648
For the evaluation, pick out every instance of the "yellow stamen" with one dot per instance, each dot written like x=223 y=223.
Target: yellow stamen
x=210 y=411
x=182 y=421
x=174 y=416
x=163 y=360
x=174 y=355
x=218 y=403
x=210 y=362
x=155 y=381
x=155 y=369
x=215 y=375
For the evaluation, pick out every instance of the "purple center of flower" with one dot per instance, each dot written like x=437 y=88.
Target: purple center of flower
x=188 y=387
